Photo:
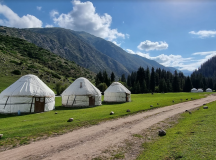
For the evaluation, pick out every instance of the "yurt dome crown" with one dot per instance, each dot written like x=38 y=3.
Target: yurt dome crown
x=82 y=86
x=117 y=87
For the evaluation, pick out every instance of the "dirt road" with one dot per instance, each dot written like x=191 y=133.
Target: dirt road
x=88 y=142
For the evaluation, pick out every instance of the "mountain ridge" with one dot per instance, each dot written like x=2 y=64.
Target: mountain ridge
x=88 y=51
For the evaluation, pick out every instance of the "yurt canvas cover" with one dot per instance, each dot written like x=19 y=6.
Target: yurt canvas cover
x=199 y=90
x=208 y=90
x=81 y=93
x=27 y=94
x=194 y=90
x=116 y=92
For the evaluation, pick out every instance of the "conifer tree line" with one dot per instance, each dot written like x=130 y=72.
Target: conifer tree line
x=147 y=81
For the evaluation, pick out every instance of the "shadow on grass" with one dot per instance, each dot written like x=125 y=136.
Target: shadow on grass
x=84 y=107
x=14 y=115
x=58 y=108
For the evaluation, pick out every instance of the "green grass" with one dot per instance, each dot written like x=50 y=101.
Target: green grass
x=20 y=129
x=192 y=138
x=6 y=81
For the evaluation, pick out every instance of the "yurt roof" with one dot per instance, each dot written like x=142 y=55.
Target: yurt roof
x=117 y=87
x=208 y=89
x=194 y=89
x=87 y=88
x=200 y=89
x=28 y=85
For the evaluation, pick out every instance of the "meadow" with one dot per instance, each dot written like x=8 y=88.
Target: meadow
x=192 y=138
x=19 y=130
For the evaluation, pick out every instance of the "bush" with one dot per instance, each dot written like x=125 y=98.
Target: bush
x=16 y=72
x=102 y=87
x=32 y=66
x=60 y=87
x=56 y=75
x=14 y=62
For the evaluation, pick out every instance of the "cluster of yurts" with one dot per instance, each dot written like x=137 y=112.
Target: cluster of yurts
x=194 y=90
x=29 y=94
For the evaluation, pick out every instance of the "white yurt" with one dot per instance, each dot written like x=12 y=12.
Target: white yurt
x=200 y=90
x=81 y=93
x=208 y=90
x=117 y=92
x=194 y=90
x=27 y=94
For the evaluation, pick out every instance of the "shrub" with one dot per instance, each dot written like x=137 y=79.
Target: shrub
x=56 y=75
x=16 y=72
x=14 y=62
x=32 y=66
x=60 y=87
x=102 y=87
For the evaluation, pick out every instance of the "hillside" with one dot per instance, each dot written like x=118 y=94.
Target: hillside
x=85 y=49
x=65 y=44
x=19 y=57
x=208 y=69
x=130 y=61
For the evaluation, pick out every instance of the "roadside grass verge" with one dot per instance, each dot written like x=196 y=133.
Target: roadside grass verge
x=19 y=130
x=192 y=138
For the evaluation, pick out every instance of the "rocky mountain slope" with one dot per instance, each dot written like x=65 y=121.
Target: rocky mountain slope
x=88 y=51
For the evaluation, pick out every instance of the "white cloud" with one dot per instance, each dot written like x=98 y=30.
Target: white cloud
x=205 y=53
x=13 y=20
x=204 y=33
x=49 y=26
x=39 y=8
x=83 y=17
x=54 y=13
x=130 y=51
x=177 y=61
x=117 y=44
x=148 y=45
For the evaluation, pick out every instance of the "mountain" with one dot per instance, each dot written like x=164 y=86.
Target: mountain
x=208 y=69
x=131 y=61
x=86 y=50
x=19 y=57
x=186 y=72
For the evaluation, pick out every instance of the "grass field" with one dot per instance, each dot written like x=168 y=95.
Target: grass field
x=20 y=130
x=192 y=138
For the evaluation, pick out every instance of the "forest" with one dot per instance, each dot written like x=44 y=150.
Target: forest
x=148 y=81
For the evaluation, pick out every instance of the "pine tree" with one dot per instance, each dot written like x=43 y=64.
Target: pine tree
x=129 y=81
x=188 y=85
x=123 y=79
x=162 y=86
x=105 y=78
x=152 y=82
x=112 y=77
x=140 y=75
x=175 y=84
x=210 y=83
x=99 y=79
x=147 y=79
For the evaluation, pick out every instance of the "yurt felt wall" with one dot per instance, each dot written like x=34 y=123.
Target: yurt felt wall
x=81 y=93
x=27 y=94
x=116 y=92
x=199 y=90
x=208 y=90
x=194 y=90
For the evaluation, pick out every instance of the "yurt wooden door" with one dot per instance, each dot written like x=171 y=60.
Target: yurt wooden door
x=127 y=97
x=91 y=101
x=39 y=104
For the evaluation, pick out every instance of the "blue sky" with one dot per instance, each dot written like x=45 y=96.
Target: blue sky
x=175 y=33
